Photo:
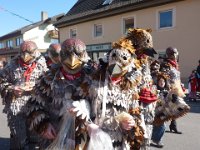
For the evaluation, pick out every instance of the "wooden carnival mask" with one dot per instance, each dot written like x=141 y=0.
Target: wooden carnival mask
x=53 y=53
x=120 y=58
x=73 y=55
x=28 y=51
x=142 y=41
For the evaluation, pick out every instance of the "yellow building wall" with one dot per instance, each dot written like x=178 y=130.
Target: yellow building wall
x=184 y=35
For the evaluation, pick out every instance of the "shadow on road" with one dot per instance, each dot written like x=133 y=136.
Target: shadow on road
x=4 y=143
x=194 y=105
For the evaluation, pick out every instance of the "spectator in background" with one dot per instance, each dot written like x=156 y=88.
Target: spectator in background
x=198 y=77
x=1 y=65
x=4 y=63
x=192 y=86
x=159 y=130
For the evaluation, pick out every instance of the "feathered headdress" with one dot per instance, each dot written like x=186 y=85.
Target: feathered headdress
x=124 y=43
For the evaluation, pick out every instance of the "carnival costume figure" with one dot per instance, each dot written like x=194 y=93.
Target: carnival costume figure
x=60 y=107
x=143 y=43
x=52 y=58
x=17 y=80
x=173 y=105
x=115 y=104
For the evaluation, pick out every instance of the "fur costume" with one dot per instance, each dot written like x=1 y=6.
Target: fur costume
x=22 y=72
x=58 y=93
x=115 y=96
x=143 y=43
x=172 y=105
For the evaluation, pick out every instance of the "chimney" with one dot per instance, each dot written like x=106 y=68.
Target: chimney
x=44 y=15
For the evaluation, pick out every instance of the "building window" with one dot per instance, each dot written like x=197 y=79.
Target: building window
x=18 y=41
x=2 y=45
x=98 y=50
x=54 y=41
x=127 y=24
x=9 y=43
x=165 y=19
x=73 y=33
x=161 y=55
x=98 y=31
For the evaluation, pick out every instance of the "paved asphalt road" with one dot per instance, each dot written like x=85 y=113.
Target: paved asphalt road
x=4 y=130
x=189 y=125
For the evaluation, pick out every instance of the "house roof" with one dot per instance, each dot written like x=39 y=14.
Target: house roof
x=22 y=30
x=86 y=10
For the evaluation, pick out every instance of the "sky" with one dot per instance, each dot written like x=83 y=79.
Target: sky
x=30 y=10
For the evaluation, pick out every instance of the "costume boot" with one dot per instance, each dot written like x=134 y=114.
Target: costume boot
x=173 y=127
